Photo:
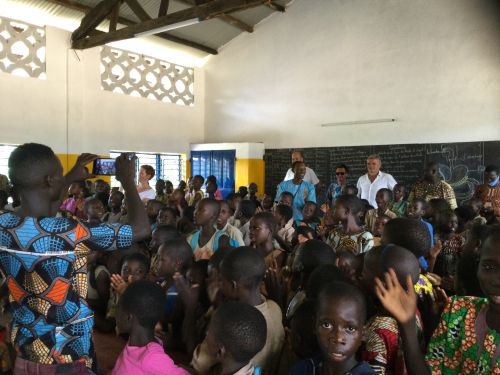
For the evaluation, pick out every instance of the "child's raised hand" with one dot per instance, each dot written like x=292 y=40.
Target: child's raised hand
x=400 y=303
x=436 y=249
x=189 y=294
x=118 y=284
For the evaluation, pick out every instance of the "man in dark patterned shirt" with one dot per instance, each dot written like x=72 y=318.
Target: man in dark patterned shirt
x=44 y=260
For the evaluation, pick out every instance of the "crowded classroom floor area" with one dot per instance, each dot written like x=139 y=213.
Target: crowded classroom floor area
x=305 y=187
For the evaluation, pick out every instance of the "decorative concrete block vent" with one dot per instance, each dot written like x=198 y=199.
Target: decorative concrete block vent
x=22 y=49
x=143 y=76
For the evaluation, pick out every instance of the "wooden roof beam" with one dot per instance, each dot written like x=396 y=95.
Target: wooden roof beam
x=202 y=12
x=275 y=6
x=138 y=10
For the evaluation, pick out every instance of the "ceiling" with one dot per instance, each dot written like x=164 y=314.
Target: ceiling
x=213 y=33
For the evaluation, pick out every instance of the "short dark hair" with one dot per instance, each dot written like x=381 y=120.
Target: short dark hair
x=402 y=261
x=211 y=178
x=89 y=202
x=117 y=192
x=172 y=210
x=179 y=251
x=340 y=290
x=314 y=253
x=145 y=300
x=212 y=203
x=322 y=276
x=30 y=163
x=199 y=177
x=268 y=219
x=491 y=168
x=352 y=202
x=342 y=166
x=241 y=328
x=286 y=194
x=149 y=170
x=385 y=191
x=168 y=232
x=285 y=211
x=245 y=265
x=408 y=233
x=295 y=163
x=305 y=231
x=354 y=188
x=248 y=208
x=138 y=257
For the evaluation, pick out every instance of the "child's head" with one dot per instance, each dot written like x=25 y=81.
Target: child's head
x=476 y=236
x=33 y=166
x=234 y=200
x=182 y=185
x=383 y=198
x=161 y=235
x=476 y=205
x=267 y=202
x=169 y=187
x=135 y=267
x=299 y=170
x=303 y=234
x=448 y=223
x=465 y=215
x=351 y=190
x=167 y=216
x=309 y=211
x=262 y=228
x=380 y=224
x=197 y=273
x=242 y=271
x=178 y=195
x=247 y=209
x=489 y=265
x=402 y=261
x=140 y=306
x=329 y=219
x=75 y=189
x=308 y=256
x=211 y=178
x=351 y=265
x=417 y=208
x=322 y=276
x=370 y=270
x=211 y=187
x=153 y=207
x=207 y=211
x=242 y=191
x=347 y=206
x=286 y=198
x=410 y=234
x=398 y=192
x=197 y=182
x=490 y=174
x=94 y=209
x=253 y=189
x=174 y=256
x=237 y=332
x=340 y=322
x=283 y=214
x=160 y=186
x=115 y=200
x=436 y=208
x=302 y=330
x=225 y=213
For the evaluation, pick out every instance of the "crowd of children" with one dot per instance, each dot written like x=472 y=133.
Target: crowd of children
x=246 y=285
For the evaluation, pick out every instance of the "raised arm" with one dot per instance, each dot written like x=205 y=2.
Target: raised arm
x=402 y=304
x=138 y=219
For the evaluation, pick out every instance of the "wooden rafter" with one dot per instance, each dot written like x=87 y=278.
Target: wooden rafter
x=202 y=12
x=275 y=6
x=138 y=10
x=93 y=18
x=113 y=19
x=231 y=20
x=72 y=4
x=163 y=8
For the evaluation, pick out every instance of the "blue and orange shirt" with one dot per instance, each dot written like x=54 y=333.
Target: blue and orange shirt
x=44 y=262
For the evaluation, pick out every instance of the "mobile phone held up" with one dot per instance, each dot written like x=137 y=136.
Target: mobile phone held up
x=104 y=167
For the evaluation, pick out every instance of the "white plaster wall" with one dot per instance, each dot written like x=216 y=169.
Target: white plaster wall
x=434 y=65
x=33 y=110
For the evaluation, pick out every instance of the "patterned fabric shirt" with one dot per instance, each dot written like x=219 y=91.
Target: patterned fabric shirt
x=462 y=343
x=45 y=263
x=358 y=243
x=426 y=190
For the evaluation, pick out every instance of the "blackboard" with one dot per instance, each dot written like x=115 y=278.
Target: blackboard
x=460 y=164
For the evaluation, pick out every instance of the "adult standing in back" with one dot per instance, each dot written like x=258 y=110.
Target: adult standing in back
x=374 y=180
x=310 y=176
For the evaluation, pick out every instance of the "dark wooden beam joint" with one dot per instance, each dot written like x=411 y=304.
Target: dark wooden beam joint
x=275 y=6
x=138 y=10
x=163 y=8
x=93 y=18
x=202 y=12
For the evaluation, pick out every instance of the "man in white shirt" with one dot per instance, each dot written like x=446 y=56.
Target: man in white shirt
x=310 y=176
x=374 y=180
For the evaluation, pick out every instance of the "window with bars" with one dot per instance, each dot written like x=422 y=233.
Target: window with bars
x=167 y=166
x=217 y=163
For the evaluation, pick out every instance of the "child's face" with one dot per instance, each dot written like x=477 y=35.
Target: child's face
x=379 y=226
x=74 y=190
x=267 y=202
x=340 y=212
x=243 y=191
x=133 y=271
x=252 y=189
x=160 y=186
x=452 y=223
x=153 y=209
x=115 y=200
x=203 y=214
x=287 y=200
x=415 y=210
x=234 y=202
x=178 y=195
x=488 y=272
x=169 y=188
x=166 y=217
x=339 y=328
x=95 y=210
x=398 y=192
x=224 y=215
x=300 y=171
x=260 y=233
x=197 y=183
x=308 y=211
x=382 y=200
x=182 y=185
x=100 y=186
x=328 y=219
x=166 y=265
